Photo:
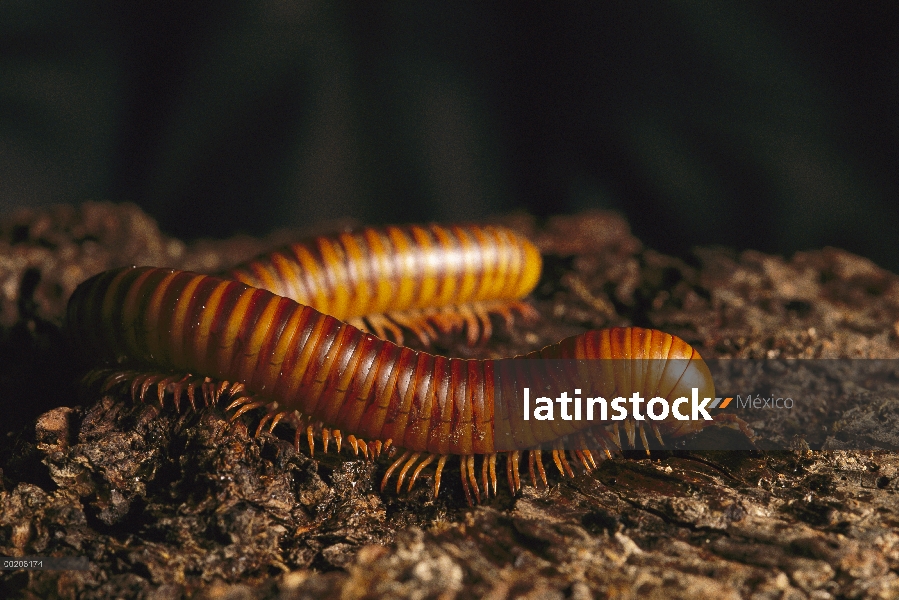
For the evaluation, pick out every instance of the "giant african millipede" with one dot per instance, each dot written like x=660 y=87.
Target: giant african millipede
x=179 y=331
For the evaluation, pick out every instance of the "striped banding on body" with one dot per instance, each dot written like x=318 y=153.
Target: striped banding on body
x=292 y=359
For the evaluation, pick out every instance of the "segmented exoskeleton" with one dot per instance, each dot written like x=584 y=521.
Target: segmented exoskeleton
x=300 y=363
x=412 y=276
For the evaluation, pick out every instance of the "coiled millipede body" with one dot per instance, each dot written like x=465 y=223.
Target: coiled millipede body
x=177 y=331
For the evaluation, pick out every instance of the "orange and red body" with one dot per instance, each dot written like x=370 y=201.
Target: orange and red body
x=303 y=360
x=290 y=357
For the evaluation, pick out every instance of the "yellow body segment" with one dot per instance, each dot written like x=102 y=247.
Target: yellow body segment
x=397 y=269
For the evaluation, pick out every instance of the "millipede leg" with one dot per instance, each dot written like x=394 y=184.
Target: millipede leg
x=584 y=454
x=246 y=407
x=265 y=419
x=191 y=389
x=605 y=436
x=473 y=330
x=565 y=464
x=617 y=436
x=447 y=320
x=402 y=476
x=643 y=437
x=484 y=462
x=440 y=464
x=149 y=381
x=178 y=388
x=354 y=444
x=417 y=322
x=587 y=458
x=338 y=439
x=274 y=417
x=109 y=380
x=209 y=391
x=418 y=469
x=363 y=445
x=277 y=419
x=299 y=425
x=380 y=324
x=579 y=456
x=326 y=438
x=463 y=471
x=630 y=430
x=531 y=472
x=558 y=462
x=424 y=330
x=484 y=319
x=516 y=457
x=471 y=477
x=206 y=388
x=602 y=442
x=655 y=430
x=505 y=311
x=218 y=390
x=310 y=437
x=394 y=467
x=562 y=462
x=374 y=449
x=443 y=319
x=538 y=455
x=528 y=313
x=238 y=402
x=137 y=386
x=492 y=460
x=162 y=385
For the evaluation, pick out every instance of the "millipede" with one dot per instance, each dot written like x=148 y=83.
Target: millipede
x=284 y=333
x=387 y=279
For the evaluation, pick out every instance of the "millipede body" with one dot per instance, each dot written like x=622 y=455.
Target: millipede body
x=176 y=330
x=410 y=276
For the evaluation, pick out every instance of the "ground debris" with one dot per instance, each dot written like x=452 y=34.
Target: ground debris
x=170 y=505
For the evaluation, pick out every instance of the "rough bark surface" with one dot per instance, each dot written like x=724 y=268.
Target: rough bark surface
x=169 y=505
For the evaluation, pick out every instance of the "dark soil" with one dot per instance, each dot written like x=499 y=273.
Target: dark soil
x=170 y=505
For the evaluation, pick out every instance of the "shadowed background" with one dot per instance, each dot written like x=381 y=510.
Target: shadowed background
x=755 y=124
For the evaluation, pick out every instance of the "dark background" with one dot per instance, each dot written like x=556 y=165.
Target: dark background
x=755 y=124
